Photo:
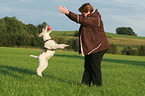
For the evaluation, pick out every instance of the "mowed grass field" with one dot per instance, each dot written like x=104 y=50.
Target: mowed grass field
x=122 y=75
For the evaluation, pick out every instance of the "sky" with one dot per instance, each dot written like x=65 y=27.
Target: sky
x=114 y=13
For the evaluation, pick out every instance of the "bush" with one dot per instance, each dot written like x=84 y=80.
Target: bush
x=76 y=33
x=112 y=49
x=128 y=50
x=134 y=52
x=59 y=40
x=125 y=31
x=141 y=50
x=73 y=44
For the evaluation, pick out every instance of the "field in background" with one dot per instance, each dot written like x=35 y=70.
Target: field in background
x=121 y=40
x=125 y=40
x=122 y=75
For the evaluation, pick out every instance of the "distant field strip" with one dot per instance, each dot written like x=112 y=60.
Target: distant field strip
x=126 y=41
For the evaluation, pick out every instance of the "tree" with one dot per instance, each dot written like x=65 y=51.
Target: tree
x=3 y=31
x=13 y=25
x=40 y=26
x=44 y=24
x=32 y=28
x=125 y=31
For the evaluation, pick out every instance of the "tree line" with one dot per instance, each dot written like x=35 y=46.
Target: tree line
x=15 y=33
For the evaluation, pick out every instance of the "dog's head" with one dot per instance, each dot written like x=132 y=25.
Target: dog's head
x=45 y=33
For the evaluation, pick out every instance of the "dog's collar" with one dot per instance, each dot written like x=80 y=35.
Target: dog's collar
x=47 y=40
x=45 y=49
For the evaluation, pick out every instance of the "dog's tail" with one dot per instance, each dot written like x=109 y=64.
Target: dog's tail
x=34 y=56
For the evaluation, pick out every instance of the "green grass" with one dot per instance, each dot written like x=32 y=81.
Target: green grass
x=122 y=75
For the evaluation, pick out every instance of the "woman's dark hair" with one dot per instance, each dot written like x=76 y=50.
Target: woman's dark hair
x=86 y=7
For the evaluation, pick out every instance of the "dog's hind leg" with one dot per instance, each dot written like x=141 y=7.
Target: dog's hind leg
x=40 y=67
x=44 y=66
x=43 y=63
x=39 y=72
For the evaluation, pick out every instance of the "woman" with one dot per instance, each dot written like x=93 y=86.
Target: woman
x=93 y=41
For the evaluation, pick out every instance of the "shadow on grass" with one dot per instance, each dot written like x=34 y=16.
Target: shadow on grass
x=15 y=71
x=9 y=70
x=59 y=79
x=70 y=56
x=135 y=63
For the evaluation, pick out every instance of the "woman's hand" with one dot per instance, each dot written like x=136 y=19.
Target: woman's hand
x=63 y=10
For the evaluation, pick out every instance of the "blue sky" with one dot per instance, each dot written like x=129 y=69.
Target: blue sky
x=115 y=13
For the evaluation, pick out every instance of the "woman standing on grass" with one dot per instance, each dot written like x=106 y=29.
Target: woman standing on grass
x=93 y=41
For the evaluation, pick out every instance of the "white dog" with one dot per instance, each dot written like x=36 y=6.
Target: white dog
x=49 y=49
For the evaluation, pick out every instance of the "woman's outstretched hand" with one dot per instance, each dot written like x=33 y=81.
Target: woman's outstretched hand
x=63 y=10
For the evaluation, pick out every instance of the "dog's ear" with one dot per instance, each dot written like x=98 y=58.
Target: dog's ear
x=41 y=34
x=46 y=27
x=43 y=30
x=49 y=31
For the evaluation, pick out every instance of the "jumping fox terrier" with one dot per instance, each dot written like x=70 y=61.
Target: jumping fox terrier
x=50 y=47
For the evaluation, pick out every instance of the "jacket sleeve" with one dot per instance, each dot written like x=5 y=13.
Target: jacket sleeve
x=85 y=21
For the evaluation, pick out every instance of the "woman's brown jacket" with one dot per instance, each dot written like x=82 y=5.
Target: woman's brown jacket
x=91 y=33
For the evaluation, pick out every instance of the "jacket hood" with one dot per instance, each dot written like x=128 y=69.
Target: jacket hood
x=95 y=13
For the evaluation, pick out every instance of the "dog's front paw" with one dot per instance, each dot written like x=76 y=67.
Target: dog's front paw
x=66 y=45
x=39 y=75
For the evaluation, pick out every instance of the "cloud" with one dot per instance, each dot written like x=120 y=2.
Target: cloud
x=119 y=13
x=136 y=22
x=26 y=0
x=120 y=1
x=5 y=9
